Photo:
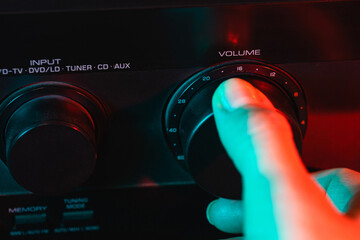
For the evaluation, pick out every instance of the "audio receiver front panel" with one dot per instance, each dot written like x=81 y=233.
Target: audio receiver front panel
x=106 y=115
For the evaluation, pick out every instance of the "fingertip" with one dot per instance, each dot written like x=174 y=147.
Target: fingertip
x=236 y=93
x=226 y=215
x=209 y=211
x=216 y=98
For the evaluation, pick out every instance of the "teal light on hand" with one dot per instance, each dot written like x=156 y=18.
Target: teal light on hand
x=280 y=198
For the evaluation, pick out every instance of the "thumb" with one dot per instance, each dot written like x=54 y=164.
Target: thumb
x=279 y=194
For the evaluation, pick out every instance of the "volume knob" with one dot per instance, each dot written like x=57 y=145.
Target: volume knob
x=205 y=157
x=190 y=127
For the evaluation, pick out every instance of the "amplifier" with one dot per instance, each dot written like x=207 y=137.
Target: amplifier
x=105 y=115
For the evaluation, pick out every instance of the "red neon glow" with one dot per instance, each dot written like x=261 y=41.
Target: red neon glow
x=333 y=140
x=147 y=182
x=233 y=38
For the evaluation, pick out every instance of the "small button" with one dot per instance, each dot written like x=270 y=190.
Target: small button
x=78 y=215
x=30 y=219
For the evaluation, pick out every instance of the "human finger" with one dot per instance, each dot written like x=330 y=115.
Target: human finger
x=342 y=186
x=279 y=193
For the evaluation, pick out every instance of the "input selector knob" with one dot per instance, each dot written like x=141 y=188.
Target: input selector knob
x=51 y=134
x=190 y=124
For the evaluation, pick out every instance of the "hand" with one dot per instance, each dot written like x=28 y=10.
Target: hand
x=280 y=198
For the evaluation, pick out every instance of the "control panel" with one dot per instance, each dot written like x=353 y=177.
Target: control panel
x=106 y=122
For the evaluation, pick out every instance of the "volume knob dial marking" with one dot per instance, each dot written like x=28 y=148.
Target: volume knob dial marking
x=192 y=134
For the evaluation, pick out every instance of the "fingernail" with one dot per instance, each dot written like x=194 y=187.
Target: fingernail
x=208 y=210
x=236 y=93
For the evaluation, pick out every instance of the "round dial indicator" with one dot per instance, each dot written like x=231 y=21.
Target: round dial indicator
x=190 y=129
